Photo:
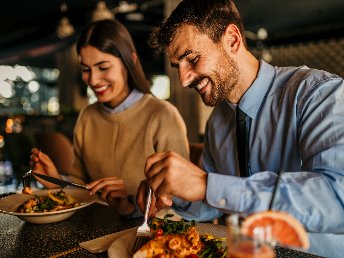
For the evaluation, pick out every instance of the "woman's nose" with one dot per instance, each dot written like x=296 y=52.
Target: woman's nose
x=93 y=79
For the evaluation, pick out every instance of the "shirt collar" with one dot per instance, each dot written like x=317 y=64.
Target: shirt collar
x=134 y=96
x=253 y=97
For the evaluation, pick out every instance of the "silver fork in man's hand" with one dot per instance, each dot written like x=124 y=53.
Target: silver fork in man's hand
x=143 y=231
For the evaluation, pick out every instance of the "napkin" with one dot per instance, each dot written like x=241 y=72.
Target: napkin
x=102 y=244
x=161 y=214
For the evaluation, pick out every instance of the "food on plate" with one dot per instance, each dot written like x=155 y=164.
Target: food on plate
x=27 y=190
x=179 y=239
x=174 y=245
x=53 y=201
x=285 y=229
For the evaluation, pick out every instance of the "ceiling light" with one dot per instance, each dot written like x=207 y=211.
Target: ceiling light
x=101 y=12
x=65 y=29
x=125 y=7
x=134 y=17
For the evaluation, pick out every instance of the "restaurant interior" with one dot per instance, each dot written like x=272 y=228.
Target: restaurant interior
x=41 y=91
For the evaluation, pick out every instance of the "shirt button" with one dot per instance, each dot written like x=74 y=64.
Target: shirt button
x=222 y=202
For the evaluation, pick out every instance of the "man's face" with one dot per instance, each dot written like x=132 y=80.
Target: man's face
x=203 y=65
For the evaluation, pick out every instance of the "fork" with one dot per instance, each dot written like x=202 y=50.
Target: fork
x=26 y=179
x=143 y=231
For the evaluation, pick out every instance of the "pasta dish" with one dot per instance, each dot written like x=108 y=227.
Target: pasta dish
x=53 y=201
x=172 y=239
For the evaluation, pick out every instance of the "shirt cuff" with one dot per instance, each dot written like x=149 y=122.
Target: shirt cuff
x=224 y=192
x=180 y=205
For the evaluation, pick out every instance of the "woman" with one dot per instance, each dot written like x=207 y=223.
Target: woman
x=114 y=136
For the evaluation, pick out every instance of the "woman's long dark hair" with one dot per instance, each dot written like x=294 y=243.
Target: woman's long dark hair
x=110 y=36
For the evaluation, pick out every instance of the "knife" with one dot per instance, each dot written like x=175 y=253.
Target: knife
x=58 y=181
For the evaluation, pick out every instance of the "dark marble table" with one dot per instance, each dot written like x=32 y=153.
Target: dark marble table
x=22 y=239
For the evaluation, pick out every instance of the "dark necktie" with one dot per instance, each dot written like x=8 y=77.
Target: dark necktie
x=242 y=131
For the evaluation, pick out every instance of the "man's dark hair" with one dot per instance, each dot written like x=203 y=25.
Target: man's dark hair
x=210 y=17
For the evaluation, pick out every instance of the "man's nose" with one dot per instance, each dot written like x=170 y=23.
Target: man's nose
x=185 y=75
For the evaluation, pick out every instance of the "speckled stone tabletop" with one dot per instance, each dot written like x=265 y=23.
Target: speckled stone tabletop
x=23 y=239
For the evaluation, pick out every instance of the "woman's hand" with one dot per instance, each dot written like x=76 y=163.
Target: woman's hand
x=112 y=190
x=42 y=164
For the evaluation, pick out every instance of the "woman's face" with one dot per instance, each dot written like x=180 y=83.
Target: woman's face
x=105 y=74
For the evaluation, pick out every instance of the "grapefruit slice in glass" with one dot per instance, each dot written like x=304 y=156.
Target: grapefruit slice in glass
x=283 y=228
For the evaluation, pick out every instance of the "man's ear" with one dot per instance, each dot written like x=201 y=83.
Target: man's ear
x=232 y=38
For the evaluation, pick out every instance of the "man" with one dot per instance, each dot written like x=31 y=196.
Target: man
x=295 y=117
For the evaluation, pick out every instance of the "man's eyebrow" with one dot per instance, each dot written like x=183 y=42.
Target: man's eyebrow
x=186 y=53
x=181 y=57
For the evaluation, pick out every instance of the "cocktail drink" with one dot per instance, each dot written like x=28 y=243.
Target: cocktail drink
x=248 y=248
x=243 y=246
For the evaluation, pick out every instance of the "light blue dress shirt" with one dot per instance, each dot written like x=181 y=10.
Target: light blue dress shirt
x=133 y=97
x=297 y=126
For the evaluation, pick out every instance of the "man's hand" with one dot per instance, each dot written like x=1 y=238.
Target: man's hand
x=141 y=199
x=170 y=175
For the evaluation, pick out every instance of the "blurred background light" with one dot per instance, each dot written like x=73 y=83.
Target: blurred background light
x=2 y=141
x=53 y=106
x=161 y=86
x=33 y=86
x=7 y=72
x=24 y=73
x=50 y=74
x=91 y=96
x=101 y=12
x=6 y=89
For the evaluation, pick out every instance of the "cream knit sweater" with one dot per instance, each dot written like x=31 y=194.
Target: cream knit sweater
x=118 y=144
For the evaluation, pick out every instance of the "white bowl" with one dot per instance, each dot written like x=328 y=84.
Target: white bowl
x=10 y=204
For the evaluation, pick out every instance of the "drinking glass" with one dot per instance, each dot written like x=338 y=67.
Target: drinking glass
x=242 y=246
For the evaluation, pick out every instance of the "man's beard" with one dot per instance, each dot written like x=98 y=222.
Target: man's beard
x=223 y=80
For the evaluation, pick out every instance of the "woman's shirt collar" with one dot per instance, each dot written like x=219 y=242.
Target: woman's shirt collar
x=134 y=96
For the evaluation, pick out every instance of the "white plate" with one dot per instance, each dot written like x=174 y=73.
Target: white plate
x=119 y=248
x=10 y=204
